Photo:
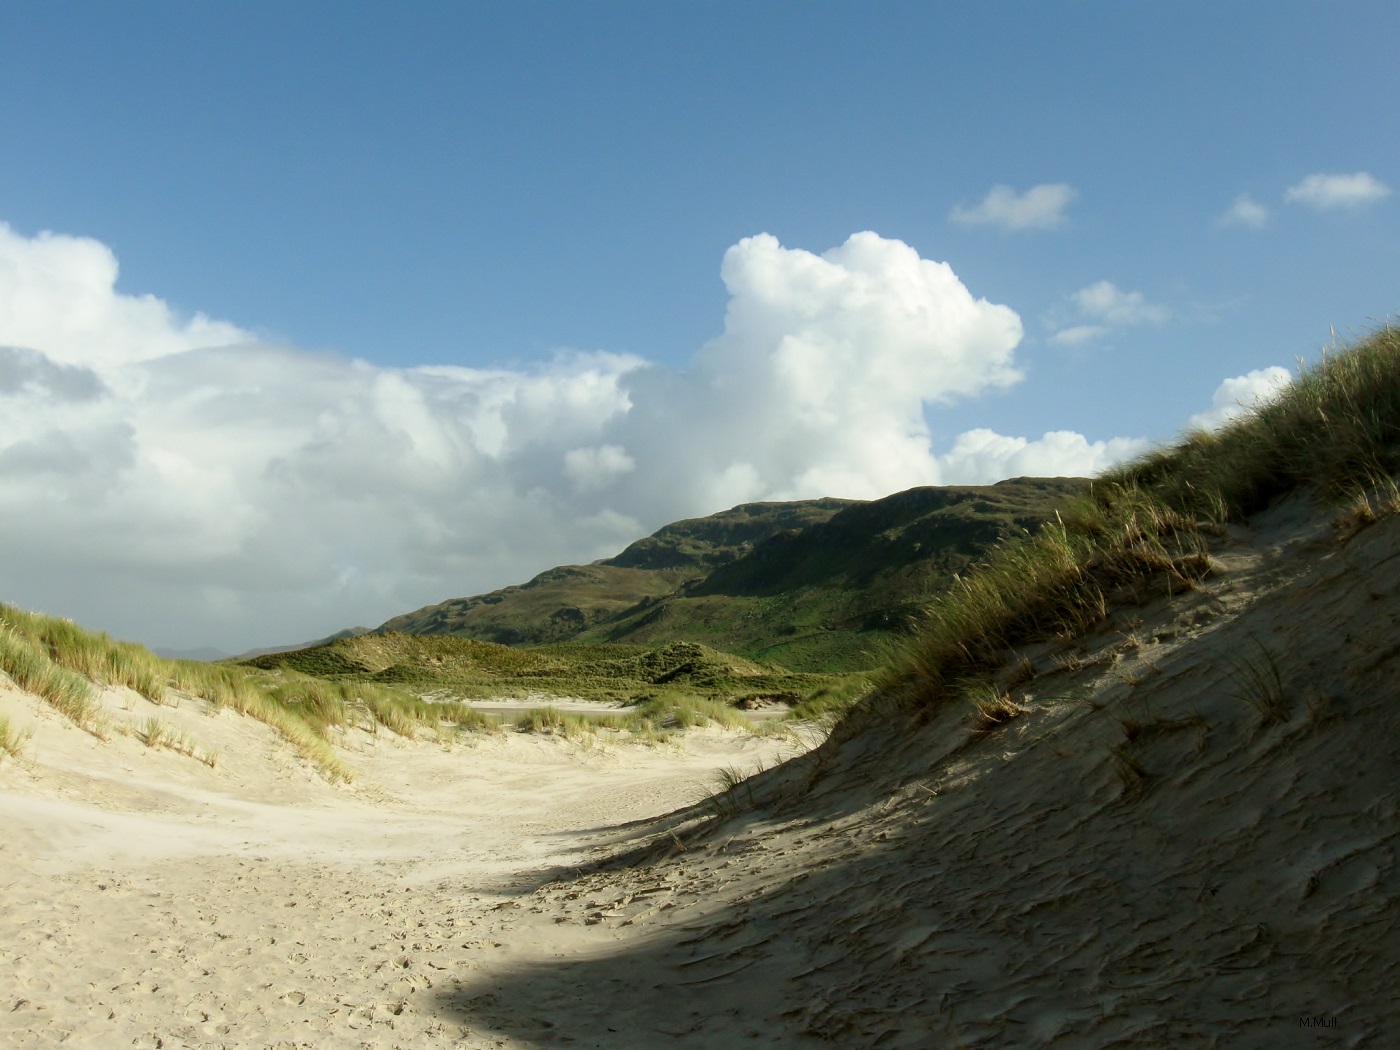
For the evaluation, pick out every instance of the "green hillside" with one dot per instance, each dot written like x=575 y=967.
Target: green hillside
x=561 y=603
x=466 y=667
x=814 y=585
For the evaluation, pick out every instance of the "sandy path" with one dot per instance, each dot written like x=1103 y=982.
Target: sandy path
x=148 y=900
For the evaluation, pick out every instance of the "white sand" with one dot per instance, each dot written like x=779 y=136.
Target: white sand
x=146 y=897
x=925 y=887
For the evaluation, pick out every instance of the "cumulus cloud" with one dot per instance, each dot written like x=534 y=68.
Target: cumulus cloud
x=1039 y=208
x=174 y=479
x=1239 y=394
x=1102 y=307
x=1333 y=192
x=1245 y=211
x=978 y=454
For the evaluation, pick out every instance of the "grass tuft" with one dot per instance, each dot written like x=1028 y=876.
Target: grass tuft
x=13 y=741
x=1132 y=774
x=1259 y=683
x=991 y=707
x=155 y=733
x=1336 y=426
x=30 y=667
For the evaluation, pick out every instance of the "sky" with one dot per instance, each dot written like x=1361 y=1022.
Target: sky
x=315 y=313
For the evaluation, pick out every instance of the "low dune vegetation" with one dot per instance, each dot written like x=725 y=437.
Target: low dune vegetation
x=622 y=674
x=312 y=697
x=63 y=664
x=650 y=721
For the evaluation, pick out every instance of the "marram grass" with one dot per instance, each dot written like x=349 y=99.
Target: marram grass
x=1335 y=430
x=12 y=741
x=59 y=662
x=31 y=668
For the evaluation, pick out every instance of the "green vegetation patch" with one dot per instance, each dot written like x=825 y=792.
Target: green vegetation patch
x=59 y=662
x=619 y=674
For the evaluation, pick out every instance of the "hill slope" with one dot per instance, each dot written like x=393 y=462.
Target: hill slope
x=1184 y=836
x=813 y=585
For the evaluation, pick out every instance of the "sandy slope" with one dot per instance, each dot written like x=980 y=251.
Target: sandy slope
x=1135 y=861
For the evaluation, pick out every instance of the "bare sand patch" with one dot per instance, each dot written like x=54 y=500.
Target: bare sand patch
x=147 y=899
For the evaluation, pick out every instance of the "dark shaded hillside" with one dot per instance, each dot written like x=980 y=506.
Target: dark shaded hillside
x=940 y=528
x=832 y=595
x=560 y=603
x=817 y=585
x=706 y=543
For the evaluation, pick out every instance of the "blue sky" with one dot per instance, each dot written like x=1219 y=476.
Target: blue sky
x=373 y=190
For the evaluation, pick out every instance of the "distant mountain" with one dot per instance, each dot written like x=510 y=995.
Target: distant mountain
x=349 y=632
x=205 y=654
x=815 y=585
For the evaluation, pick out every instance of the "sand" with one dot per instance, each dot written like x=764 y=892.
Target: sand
x=149 y=900
x=1139 y=859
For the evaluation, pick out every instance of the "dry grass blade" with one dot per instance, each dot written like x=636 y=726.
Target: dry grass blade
x=1259 y=683
x=991 y=708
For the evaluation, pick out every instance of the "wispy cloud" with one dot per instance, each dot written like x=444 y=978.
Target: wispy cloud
x=176 y=479
x=1079 y=333
x=1039 y=208
x=1104 y=301
x=1245 y=211
x=1332 y=192
x=1102 y=307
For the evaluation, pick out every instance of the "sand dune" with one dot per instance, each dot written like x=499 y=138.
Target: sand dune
x=1142 y=858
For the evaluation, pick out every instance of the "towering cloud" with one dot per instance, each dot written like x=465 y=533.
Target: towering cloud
x=176 y=480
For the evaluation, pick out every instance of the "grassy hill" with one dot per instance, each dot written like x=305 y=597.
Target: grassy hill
x=466 y=667
x=560 y=603
x=815 y=585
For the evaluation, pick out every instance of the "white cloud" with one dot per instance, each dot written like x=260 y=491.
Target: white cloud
x=1237 y=395
x=1039 y=208
x=979 y=454
x=1245 y=211
x=1106 y=307
x=1330 y=192
x=59 y=297
x=1080 y=333
x=177 y=481
x=595 y=467
x=1104 y=301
